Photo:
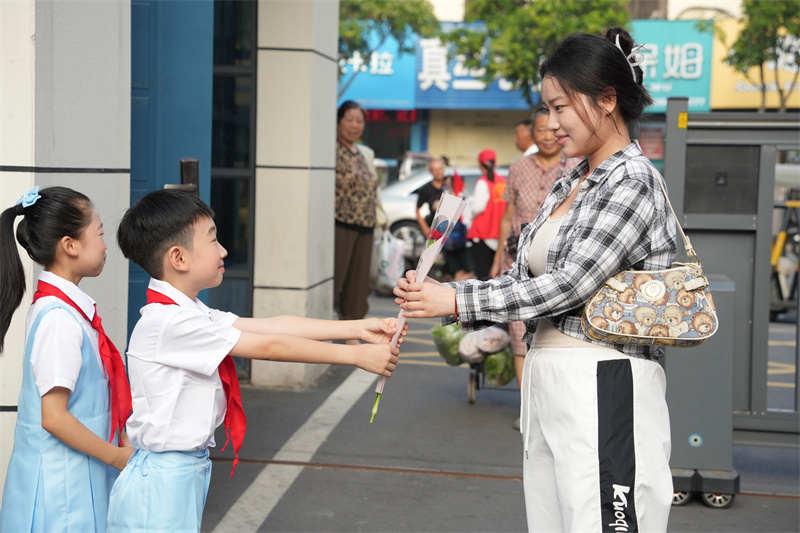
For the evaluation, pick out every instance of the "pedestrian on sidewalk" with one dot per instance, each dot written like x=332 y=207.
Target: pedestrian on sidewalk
x=183 y=378
x=595 y=424
x=485 y=211
x=530 y=179
x=355 y=216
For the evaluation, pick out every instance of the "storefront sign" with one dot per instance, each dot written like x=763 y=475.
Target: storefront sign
x=676 y=60
x=732 y=90
x=385 y=80
x=443 y=84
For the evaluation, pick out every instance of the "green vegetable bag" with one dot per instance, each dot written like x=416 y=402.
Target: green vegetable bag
x=446 y=339
x=499 y=368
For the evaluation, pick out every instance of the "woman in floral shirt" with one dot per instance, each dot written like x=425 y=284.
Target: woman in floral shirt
x=356 y=196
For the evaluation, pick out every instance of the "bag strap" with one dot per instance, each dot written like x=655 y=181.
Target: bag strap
x=686 y=242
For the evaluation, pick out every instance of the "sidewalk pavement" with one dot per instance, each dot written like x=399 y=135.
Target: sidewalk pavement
x=431 y=461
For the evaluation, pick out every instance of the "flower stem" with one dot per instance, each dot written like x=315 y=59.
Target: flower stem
x=375 y=407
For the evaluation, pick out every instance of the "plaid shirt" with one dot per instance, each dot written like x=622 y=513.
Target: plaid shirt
x=619 y=221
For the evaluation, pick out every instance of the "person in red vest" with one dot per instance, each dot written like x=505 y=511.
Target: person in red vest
x=183 y=378
x=487 y=206
x=75 y=398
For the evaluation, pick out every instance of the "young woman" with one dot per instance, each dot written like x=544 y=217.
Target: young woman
x=75 y=396
x=594 y=417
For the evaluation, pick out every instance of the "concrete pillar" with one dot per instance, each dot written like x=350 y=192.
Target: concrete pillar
x=295 y=146
x=65 y=108
x=17 y=68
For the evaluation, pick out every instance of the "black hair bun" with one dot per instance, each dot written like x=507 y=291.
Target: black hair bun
x=625 y=39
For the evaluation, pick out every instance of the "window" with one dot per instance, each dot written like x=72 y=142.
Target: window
x=233 y=153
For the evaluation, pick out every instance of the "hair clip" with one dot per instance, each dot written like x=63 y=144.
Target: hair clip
x=634 y=59
x=30 y=197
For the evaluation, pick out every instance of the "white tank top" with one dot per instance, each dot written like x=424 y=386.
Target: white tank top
x=547 y=335
x=537 y=249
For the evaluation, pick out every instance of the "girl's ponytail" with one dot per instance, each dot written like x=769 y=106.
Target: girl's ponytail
x=490 y=170
x=49 y=215
x=12 y=276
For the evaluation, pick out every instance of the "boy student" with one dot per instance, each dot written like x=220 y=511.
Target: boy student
x=183 y=380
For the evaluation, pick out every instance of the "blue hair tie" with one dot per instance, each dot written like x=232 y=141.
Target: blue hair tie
x=30 y=196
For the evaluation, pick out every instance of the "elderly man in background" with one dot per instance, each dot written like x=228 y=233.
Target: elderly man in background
x=530 y=179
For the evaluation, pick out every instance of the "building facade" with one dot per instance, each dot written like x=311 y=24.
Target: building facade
x=457 y=113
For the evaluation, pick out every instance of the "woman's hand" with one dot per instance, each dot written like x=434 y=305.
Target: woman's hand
x=381 y=330
x=412 y=274
x=424 y=300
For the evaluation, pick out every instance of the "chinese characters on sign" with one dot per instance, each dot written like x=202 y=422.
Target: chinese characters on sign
x=680 y=61
x=384 y=80
x=380 y=63
x=676 y=60
x=434 y=70
x=444 y=82
x=434 y=65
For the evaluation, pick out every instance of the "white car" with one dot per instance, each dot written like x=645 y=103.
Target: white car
x=400 y=203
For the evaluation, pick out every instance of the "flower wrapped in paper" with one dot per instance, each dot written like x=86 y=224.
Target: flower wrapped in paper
x=449 y=211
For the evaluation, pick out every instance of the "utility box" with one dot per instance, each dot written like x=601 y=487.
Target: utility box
x=700 y=397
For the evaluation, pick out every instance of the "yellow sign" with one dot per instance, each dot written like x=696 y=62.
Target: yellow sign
x=683 y=120
x=732 y=90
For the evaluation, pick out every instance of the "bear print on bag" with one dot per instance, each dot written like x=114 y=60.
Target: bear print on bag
x=628 y=296
x=702 y=323
x=674 y=280
x=645 y=317
x=599 y=322
x=613 y=312
x=641 y=279
x=685 y=299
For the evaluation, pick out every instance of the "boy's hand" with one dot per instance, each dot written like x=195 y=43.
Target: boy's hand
x=381 y=330
x=379 y=359
x=121 y=457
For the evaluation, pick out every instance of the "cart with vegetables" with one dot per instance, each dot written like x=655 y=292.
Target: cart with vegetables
x=486 y=351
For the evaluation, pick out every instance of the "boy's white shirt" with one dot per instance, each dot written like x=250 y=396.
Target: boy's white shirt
x=56 y=350
x=173 y=355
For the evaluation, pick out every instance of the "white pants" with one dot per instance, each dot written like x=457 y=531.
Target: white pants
x=597 y=442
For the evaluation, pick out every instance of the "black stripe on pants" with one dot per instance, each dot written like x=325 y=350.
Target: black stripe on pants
x=615 y=445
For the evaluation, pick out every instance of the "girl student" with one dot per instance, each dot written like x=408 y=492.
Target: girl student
x=75 y=396
x=594 y=418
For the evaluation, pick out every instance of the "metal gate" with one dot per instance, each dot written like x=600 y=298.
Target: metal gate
x=721 y=174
